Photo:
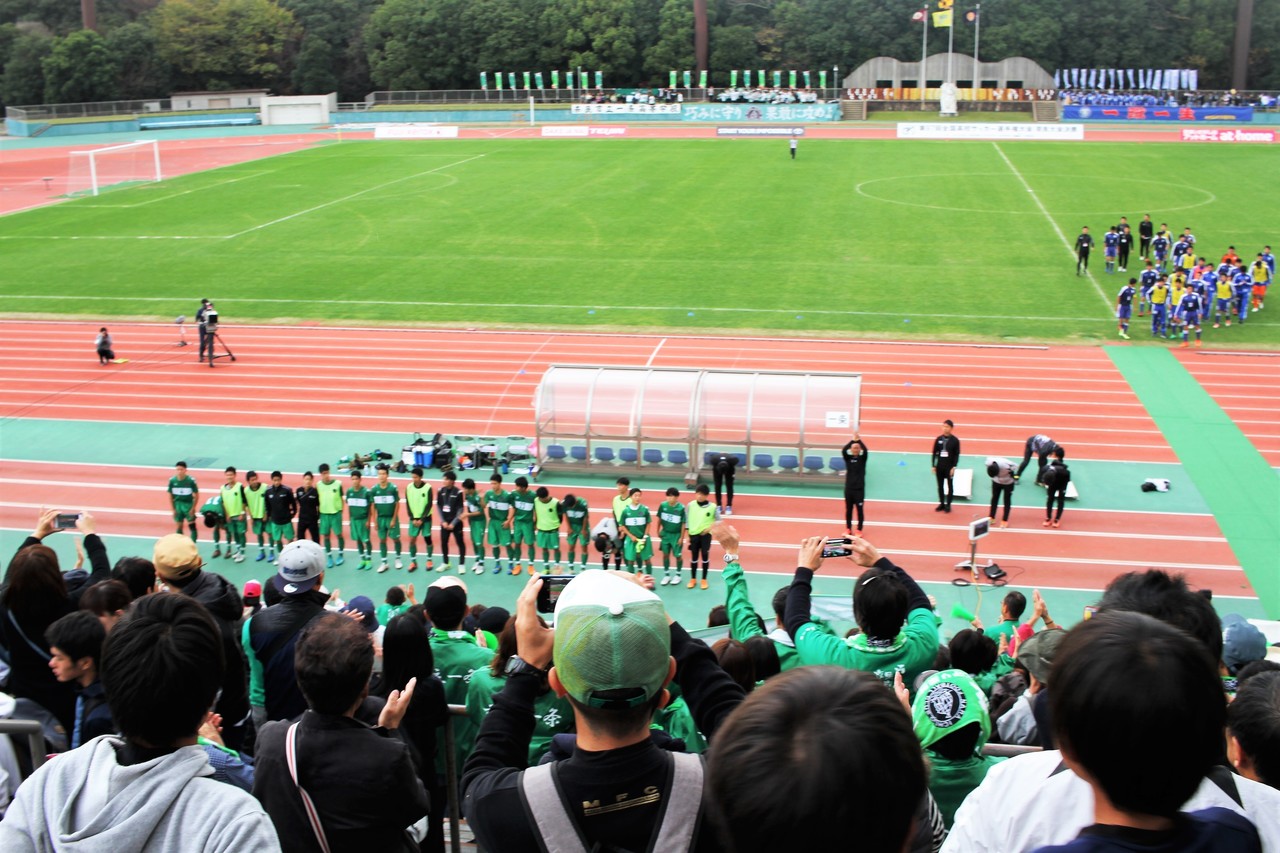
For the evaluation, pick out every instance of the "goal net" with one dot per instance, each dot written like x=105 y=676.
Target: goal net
x=92 y=171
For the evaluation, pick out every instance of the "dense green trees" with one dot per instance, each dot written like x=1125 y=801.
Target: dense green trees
x=146 y=48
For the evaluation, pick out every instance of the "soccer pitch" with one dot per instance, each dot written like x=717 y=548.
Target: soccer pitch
x=880 y=238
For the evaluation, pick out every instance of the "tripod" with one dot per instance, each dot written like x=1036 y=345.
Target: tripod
x=212 y=340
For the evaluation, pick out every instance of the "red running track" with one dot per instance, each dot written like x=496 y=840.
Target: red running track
x=1074 y=394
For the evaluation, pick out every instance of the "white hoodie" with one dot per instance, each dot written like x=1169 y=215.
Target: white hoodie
x=84 y=801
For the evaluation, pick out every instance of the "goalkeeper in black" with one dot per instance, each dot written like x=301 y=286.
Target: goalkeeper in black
x=1084 y=242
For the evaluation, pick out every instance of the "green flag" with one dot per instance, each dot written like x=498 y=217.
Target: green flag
x=746 y=79
x=484 y=79
x=537 y=79
x=688 y=79
x=599 y=79
x=555 y=79
x=568 y=79
x=672 y=80
x=777 y=79
x=702 y=79
x=763 y=80
x=807 y=85
x=497 y=81
x=733 y=79
x=822 y=79
x=511 y=80
x=526 y=80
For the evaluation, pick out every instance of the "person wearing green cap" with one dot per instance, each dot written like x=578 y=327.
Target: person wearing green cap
x=951 y=719
x=614 y=651
x=899 y=631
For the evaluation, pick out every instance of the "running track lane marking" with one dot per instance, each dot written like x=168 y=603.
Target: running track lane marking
x=1045 y=211
x=351 y=196
x=654 y=354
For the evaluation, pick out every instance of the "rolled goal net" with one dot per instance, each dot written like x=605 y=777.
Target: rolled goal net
x=92 y=171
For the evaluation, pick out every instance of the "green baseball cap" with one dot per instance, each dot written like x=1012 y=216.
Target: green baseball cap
x=612 y=641
x=946 y=702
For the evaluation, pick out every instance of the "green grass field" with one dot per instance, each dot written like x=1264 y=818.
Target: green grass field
x=864 y=238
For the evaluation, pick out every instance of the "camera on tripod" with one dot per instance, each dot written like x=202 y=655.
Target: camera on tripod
x=211 y=319
x=210 y=340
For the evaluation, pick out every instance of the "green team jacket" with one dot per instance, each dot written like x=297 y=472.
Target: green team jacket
x=742 y=616
x=951 y=781
x=551 y=714
x=911 y=652
x=458 y=657
x=257 y=692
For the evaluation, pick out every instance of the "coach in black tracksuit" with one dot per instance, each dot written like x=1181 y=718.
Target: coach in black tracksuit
x=308 y=500
x=946 y=455
x=855 y=480
x=1146 y=231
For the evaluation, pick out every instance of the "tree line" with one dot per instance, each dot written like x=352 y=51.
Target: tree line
x=149 y=48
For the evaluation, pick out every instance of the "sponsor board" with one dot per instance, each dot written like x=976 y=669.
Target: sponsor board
x=961 y=130
x=1226 y=134
x=416 y=131
x=789 y=113
x=633 y=109
x=1180 y=114
x=579 y=131
x=760 y=131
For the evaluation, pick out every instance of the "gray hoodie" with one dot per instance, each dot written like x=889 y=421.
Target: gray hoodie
x=84 y=801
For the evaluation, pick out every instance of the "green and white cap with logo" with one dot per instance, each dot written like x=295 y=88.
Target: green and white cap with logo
x=946 y=702
x=612 y=641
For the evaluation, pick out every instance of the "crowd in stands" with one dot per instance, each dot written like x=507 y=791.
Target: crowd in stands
x=190 y=715
x=1149 y=98
x=765 y=96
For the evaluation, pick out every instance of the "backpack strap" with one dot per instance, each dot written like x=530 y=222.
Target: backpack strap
x=554 y=827
x=291 y=758
x=678 y=826
x=42 y=653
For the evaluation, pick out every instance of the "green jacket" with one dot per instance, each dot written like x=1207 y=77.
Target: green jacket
x=742 y=616
x=1005 y=629
x=257 y=692
x=951 y=781
x=987 y=680
x=552 y=715
x=677 y=720
x=458 y=658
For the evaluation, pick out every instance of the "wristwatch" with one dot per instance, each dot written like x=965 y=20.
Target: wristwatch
x=730 y=558
x=517 y=665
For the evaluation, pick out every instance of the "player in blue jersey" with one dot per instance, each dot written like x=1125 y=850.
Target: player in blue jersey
x=1188 y=311
x=1160 y=250
x=1148 y=280
x=1242 y=285
x=1124 y=307
x=1110 y=242
x=1159 y=297
x=1224 y=299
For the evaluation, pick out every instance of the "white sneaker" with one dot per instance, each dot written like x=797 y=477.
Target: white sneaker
x=479 y=569
x=382 y=567
x=442 y=567
x=462 y=570
x=238 y=558
x=399 y=564
x=666 y=579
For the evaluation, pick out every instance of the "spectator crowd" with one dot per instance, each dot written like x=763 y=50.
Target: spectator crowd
x=182 y=713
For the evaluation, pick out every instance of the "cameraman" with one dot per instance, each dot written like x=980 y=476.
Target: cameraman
x=206 y=317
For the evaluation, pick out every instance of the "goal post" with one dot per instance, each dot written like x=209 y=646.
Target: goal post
x=92 y=170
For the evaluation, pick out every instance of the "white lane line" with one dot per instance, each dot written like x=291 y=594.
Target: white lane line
x=356 y=194
x=1048 y=216
x=654 y=354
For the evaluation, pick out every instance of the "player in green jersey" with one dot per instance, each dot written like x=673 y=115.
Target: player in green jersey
x=671 y=533
x=215 y=520
x=522 y=523
x=473 y=515
x=255 y=494
x=330 y=491
x=233 y=500
x=701 y=514
x=358 y=497
x=637 y=547
x=577 y=517
x=183 y=494
x=497 y=511
x=386 y=506
x=547 y=521
x=419 y=499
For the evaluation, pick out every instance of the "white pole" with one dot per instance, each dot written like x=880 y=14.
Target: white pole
x=532 y=113
x=977 y=35
x=924 y=53
x=156 y=151
x=93 y=171
x=951 y=38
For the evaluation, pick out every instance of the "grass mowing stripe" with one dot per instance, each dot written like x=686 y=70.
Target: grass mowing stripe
x=1241 y=489
x=1045 y=211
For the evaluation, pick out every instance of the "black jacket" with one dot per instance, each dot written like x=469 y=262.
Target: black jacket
x=362 y=781
x=855 y=468
x=450 y=501
x=273 y=634
x=220 y=597
x=280 y=504
x=308 y=501
x=948 y=444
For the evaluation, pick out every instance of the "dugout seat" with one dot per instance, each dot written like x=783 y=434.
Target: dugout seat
x=762 y=461
x=813 y=464
x=788 y=462
x=556 y=452
x=677 y=457
x=837 y=463
x=578 y=453
x=653 y=456
x=604 y=454
x=628 y=455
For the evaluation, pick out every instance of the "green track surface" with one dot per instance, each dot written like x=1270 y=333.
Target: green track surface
x=1241 y=489
x=888 y=238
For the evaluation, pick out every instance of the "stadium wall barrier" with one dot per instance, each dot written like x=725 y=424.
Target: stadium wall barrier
x=1175 y=114
x=961 y=130
x=129 y=124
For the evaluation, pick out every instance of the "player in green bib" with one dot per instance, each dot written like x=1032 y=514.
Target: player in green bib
x=419 y=499
x=578 y=519
x=473 y=514
x=547 y=521
x=497 y=511
x=522 y=525
x=183 y=494
x=701 y=514
x=330 y=492
x=671 y=531
x=233 y=500
x=386 y=507
x=358 y=498
x=637 y=547
x=255 y=501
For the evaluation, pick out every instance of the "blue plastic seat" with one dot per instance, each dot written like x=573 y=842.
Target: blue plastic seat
x=677 y=457
x=653 y=456
x=813 y=463
x=788 y=462
x=628 y=454
x=555 y=451
x=837 y=463
x=742 y=459
x=578 y=453
x=604 y=454
x=762 y=460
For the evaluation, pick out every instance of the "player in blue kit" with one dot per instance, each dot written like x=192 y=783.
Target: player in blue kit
x=1188 y=311
x=1149 y=277
x=1160 y=250
x=1242 y=286
x=1110 y=243
x=1124 y=307
x=1224 y=297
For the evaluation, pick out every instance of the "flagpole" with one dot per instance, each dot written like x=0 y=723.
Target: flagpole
x=977 y=35
x=924 y=52
x=951 y=39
